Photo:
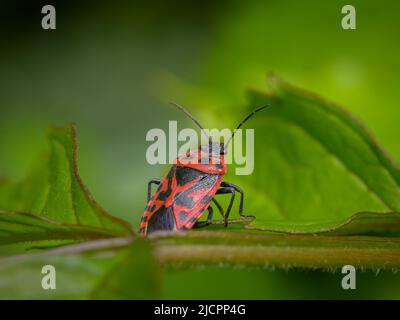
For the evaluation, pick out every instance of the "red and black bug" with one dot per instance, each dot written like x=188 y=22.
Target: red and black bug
x=189 y=188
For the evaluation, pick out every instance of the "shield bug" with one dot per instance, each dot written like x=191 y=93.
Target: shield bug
x=190 y=186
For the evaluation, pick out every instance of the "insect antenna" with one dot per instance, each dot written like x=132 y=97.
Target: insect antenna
x=241 y=123
x=191 y=117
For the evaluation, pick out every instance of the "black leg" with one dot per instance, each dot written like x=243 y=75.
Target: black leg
x=210 y=215
x=232 y=191
x=238 y=189
x=200 y=224
x=155 y=181
x=220 y=209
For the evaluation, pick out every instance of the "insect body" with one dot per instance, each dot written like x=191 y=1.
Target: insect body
x=189 y=188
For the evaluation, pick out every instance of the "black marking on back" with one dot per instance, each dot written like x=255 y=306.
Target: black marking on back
x=206 y=199
x=165 y=194
x=206 y=182
x=184 y=198
x=182 y=216
x=162 y=219
x=185 y=175
x=181 y=199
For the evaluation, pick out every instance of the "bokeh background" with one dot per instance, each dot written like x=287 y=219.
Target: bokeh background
x=112 y=67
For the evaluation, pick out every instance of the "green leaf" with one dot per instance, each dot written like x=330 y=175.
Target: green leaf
x=361 y=223
x=33 y=231
x=317 y=171
x=133 y=276
x=92 y=270
x=316 y=166
x=53 y=203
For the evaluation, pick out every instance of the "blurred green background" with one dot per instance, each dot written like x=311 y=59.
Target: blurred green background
x=112 y=67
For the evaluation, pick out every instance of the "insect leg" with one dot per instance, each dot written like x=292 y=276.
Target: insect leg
x=210 y=215
x=200 y=224
x=238 y=189
x=232 y=191
x=220 y=209
x=155 y=181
